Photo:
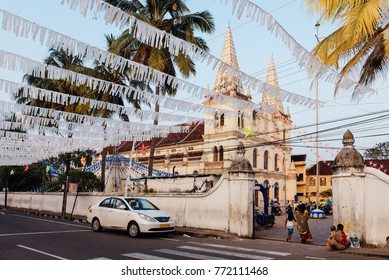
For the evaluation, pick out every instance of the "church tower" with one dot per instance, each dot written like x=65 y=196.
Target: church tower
x=221 y=140
x=270 y=97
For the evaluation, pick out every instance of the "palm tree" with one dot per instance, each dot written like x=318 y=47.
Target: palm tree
x=171 y=16
x=360 y=39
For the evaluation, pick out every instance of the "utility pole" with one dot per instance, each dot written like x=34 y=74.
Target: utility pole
x=317 y=123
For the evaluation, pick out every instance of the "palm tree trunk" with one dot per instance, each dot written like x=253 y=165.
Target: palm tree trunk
x=154 y=140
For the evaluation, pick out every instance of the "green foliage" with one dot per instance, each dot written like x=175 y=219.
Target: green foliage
x=22 y=180
x=379 y=151
x=326 y=193
x=87 y=182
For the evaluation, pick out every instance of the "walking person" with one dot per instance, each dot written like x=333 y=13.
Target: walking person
x=302 y=224
x=289 y=223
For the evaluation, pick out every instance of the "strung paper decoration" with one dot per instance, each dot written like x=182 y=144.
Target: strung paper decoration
x=12 y=172
x=26 y=168
x=144 y=148
x=83 y=161
x=249 y=132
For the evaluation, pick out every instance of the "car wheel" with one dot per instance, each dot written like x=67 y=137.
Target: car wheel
x=133 y=229
x=96 y=226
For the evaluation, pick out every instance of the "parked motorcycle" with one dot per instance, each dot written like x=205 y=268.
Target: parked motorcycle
x=276 y=210
x=264 y=220
x=327 y=209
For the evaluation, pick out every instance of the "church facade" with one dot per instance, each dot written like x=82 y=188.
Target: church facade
x=210 y=149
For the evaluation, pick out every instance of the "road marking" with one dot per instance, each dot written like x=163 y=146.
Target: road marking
x=170 y=239
x=49 y=221
x=239 y=255
x=314 y=258
x=43 y=232
x=189 y=255
x=101 y=258
x=142 y=256
x=284 y=254
x=2 y=213
x=41 y=252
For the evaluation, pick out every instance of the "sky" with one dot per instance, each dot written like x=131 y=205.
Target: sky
x=255 y=46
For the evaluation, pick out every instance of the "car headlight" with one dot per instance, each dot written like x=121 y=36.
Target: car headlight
x=147 y=218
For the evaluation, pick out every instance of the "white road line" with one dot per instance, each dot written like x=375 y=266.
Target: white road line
x=2 y=213
x=41 y=252
x=42 y=232
x=101 y=258
x=49 y=221
x=170 y=239
x=142 y=256
x=212 y=251
x=314 y=258
x=277 y=253
x=189 y=255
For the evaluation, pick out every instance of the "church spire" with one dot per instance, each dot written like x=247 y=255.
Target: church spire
x=224 y=83
x=269 y=98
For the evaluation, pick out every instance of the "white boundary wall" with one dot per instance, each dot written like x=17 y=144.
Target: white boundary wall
x=228 y=206
x=361 y=205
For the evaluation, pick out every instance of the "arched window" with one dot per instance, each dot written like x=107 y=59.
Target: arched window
x=222 y=120
x=267 y=188
x=276 y=191
x=216 y=117
x=215 y=153
x=254 y=115
x=255 y=155
x=266 y=160
x=312 y=181
x=221 y=153
x=240 y=119
x=276 y=162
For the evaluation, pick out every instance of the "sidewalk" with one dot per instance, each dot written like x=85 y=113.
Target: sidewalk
x=319 y=229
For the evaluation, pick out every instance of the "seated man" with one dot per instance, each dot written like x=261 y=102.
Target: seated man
x=339 y=242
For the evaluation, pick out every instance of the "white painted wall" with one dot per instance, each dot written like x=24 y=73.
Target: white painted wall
x=227 y=206
x=360 y=203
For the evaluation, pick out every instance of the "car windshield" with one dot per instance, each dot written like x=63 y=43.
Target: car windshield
x=141 y=204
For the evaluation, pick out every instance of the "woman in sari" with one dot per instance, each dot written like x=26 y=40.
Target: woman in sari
x=302 y=224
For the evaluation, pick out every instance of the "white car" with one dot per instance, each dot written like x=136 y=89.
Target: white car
x=133 y=214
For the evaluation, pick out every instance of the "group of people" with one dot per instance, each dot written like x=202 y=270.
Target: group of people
x=301 y=218
x=337 y=239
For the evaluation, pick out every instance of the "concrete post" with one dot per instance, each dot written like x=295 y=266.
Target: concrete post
x=241 y=199
x=348 y=189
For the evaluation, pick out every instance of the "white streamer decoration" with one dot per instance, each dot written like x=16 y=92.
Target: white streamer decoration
x=19 y=26
x=157 y=38
x=67 y=99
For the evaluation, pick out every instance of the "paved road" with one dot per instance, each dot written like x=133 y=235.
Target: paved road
x=29 y=237
x=319 y=228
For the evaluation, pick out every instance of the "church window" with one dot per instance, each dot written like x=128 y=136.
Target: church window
x=221 y=153
x=240 y=119
x=222 y=120
x=276 y=162
x=215 y=153
x=255 y=155
x=266 y=160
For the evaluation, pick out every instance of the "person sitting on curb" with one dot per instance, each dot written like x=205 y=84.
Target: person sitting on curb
x=330 y=237
x=340 y=241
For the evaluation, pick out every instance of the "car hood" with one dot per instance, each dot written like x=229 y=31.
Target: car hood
x=153 y=213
